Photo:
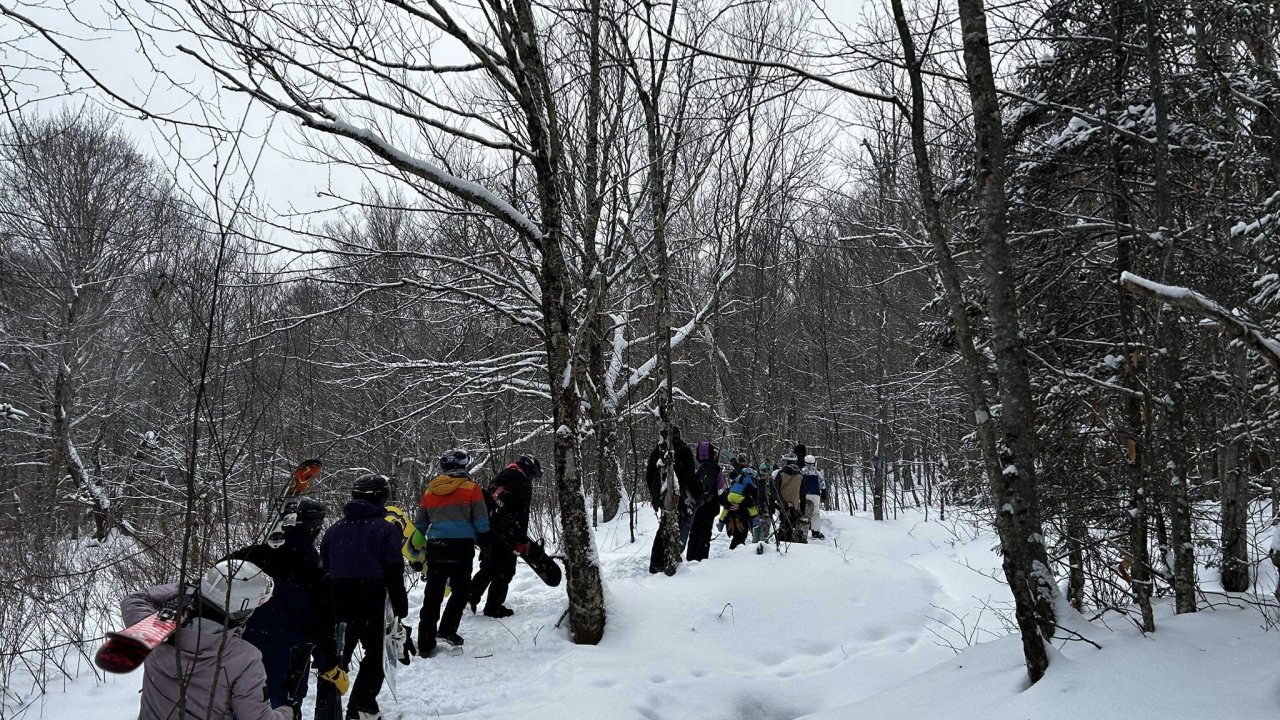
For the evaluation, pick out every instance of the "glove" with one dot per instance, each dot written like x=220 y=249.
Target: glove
x=339 y=678
x=755 y=522
x=719 y=525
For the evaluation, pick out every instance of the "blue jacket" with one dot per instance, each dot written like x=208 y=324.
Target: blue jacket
x=813 y=481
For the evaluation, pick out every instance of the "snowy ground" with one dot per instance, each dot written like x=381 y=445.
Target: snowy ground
x=842 y=628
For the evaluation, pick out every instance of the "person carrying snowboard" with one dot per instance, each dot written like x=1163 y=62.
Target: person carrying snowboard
x=704 y=494
x=509 y=498
x=741 y=513
x=453 y=515
x=297 y=624
x=683 y=471
x=814 y=487
x=789 y=484
x=362 y=553
x=206 y=665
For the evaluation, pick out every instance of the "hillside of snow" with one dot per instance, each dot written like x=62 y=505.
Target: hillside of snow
x=864 y=624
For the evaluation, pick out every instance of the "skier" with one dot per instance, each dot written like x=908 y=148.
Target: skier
x=814 y=487
x=297 y=624
x=453 y=515
x=741 y=509
x=508 y=498
x=788 y=482
x=206 y=665
x=362 y=553
x=684 y=468
x=704 y=493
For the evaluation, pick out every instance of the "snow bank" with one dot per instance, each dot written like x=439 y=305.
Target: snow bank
x=1212 y=664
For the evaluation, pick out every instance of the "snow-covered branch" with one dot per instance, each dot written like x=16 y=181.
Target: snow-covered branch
x=1187 y=299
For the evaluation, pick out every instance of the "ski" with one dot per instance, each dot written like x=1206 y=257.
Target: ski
x=125 y=650
x=287 y=516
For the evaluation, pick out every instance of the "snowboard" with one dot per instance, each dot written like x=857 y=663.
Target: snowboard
x=542 y=564
x=397 y=646
x=126 y=649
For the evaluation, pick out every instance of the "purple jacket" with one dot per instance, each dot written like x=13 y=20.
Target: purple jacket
x=362 y=554
x=223 y=673
x=362 y=543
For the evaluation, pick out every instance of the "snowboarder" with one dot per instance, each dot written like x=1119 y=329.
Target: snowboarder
x=453 y=515
x=297 y=624
x=508 y=498
x=206 y=665
x=789 y=482
x=704 y=494
x=741 y=509
x=362 y=553
x=814 y=487
x=684 y=468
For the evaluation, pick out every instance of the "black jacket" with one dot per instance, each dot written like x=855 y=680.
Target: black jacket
x=510 y=497
x=300 y=610
x=686 y=468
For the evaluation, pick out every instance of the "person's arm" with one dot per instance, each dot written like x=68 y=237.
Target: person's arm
x=140 y=605
x=479 y=513
x=393 y=572
x=324 y=550
x=248 y=699
x=422 y=520
x=653 y=477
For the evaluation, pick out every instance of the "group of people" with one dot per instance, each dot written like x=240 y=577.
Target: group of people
x=261 y=616
x=781 y=501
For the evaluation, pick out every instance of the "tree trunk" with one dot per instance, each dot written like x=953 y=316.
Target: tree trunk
x=584 y=584
x=1026 y=562
x=1170 y=337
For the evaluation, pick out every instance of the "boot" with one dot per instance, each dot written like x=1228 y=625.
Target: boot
x=452 y=638
x=426 y=644
x=499 y=612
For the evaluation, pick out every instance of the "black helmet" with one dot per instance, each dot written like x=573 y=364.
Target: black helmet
x=310 y=515
x=455 y=459
x=530 y=465
x=372 y=487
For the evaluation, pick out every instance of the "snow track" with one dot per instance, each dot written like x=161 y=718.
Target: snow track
x=738 y=636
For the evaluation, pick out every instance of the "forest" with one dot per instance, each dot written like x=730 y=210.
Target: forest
x=1015 y=263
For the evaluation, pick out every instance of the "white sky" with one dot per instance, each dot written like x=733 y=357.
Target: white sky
x=93 y=32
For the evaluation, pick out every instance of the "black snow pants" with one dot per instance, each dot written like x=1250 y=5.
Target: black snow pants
x=457 y=576
x=700 y=531
x=497 y=569
x=361 y=604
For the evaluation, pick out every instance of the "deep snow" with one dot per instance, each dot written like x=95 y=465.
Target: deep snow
x=839 y=628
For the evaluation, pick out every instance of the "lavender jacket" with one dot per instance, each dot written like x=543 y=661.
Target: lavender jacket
x=223 y=673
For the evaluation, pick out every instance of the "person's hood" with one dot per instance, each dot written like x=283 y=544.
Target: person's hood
x=361 y=509
x=446 y=483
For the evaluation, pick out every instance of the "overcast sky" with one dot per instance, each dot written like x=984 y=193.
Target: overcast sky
x=284 y=179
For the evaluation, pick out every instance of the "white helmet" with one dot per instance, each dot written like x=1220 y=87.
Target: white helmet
x=237 y=588
x=810 y=460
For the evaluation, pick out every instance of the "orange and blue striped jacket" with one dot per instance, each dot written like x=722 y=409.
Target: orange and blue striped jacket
x=453 y=508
